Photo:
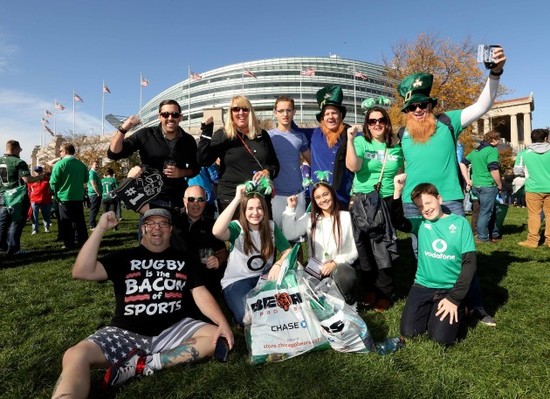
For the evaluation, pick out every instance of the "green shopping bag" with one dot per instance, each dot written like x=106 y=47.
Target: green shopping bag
x=13 y=200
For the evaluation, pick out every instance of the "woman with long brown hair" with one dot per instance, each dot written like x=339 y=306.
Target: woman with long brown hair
x=254 y=240
x=330 y=237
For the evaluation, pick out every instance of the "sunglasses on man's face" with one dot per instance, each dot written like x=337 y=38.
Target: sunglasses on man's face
x=195 y=199
x=174 y=115
x=413 y=107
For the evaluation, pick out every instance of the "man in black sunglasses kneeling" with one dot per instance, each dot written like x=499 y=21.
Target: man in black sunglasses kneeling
x=193 y=232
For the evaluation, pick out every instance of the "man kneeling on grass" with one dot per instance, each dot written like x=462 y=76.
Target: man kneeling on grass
x=153 y=286
x=447 y=263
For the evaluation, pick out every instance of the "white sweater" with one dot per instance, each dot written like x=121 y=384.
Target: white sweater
x=325 y=241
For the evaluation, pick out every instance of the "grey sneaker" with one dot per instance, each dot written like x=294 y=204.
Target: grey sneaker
x=488 y=321
x=135 y=364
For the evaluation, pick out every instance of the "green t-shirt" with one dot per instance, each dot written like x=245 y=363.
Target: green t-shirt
x=519 y=157
x=538 y=172
x=93 y=176
x=69 y=175
x=372 y=155
x=279 y=240
x=108 y=184
x=434 y=161
x=12 y=169
x=441 y=244
x=481 y=176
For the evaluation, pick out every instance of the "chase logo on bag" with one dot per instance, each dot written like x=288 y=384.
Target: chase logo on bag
x=283 y=300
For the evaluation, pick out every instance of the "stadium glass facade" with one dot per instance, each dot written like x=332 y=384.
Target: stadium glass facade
x=275 y=77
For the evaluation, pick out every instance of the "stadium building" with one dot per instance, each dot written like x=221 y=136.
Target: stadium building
x=263 y=81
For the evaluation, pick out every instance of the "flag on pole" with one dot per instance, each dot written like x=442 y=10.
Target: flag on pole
x=106 y=89
x=308 y=72
x=48 y=114
x=59 y=106
x=361 y=75
x=49 y=130
x=45 y=121
x=195 y=76
x=78 y=98
x=249 y=73
x=144 y=82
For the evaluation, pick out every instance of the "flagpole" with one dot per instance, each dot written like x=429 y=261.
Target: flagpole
x=189 y=96
x=242 y=80
x=140 y=93
x=354 y=95
x=301 y=101
x=54 y=118
x=73 y=115
x=103 y=108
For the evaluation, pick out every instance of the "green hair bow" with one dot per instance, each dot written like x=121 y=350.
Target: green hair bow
x=371 y=102
x=262 y=186
x=321 y=175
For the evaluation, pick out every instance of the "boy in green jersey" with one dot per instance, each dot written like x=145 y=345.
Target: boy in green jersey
x=446 y=265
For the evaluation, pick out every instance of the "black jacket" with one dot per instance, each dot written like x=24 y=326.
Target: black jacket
x=154 y=150
x=237 y=165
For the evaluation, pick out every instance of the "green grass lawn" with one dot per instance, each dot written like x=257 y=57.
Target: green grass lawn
x=44 y=311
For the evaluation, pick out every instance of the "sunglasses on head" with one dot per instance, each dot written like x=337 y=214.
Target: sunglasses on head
x=372 y=122
x=422 y=105
x=174 y=115
x=195 y=199
x=239 y=109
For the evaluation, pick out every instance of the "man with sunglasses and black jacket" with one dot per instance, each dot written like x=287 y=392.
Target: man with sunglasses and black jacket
x=165 y=147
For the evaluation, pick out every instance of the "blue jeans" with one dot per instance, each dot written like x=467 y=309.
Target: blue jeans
x=486 y=226
x=95 y=206
x=46 y=211
x=419 y=315
x=234 y=296
x=11 y=230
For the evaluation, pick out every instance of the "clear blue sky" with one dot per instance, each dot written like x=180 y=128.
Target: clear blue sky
x=49 y=48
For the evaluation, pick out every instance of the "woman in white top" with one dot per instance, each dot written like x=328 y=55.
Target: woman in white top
x=254 y=242
x=330 y=237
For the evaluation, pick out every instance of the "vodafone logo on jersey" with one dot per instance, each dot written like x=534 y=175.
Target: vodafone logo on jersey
x=439 y=246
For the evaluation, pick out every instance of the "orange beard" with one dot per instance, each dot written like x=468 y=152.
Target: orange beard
x=332 y=136
x=420 y=131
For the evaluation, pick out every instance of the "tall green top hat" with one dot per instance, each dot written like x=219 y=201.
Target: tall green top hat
x=330 y=95
x=416 y=88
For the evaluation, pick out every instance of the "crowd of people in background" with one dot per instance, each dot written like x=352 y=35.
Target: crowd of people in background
x=230 y=206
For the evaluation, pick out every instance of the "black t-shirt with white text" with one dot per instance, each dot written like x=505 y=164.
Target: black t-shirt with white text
x=152 y=290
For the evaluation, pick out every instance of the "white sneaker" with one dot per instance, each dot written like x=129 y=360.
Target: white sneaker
x=34 y=232
x=46 y=229
x=135 y=364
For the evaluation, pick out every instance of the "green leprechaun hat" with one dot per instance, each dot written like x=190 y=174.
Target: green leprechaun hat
x=416 y=88
x=330 y=95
